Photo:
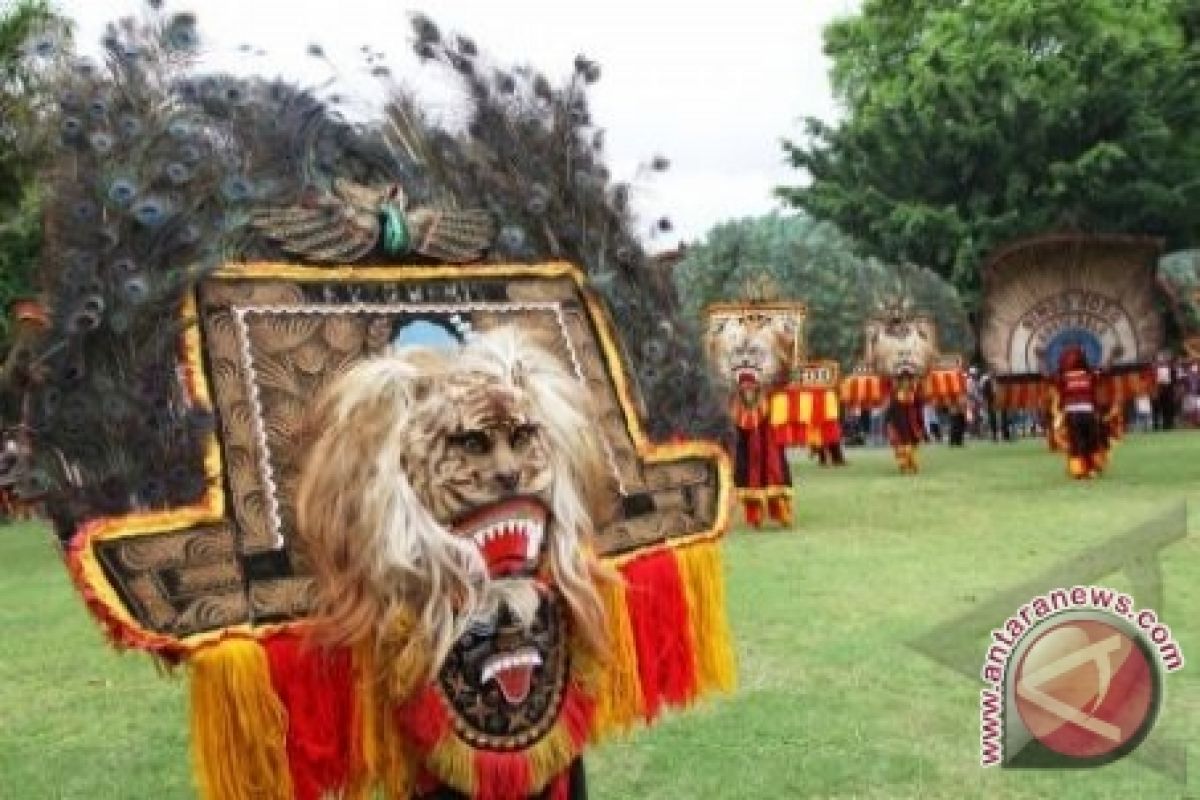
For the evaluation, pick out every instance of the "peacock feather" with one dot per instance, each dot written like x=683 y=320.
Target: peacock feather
x=163 y=172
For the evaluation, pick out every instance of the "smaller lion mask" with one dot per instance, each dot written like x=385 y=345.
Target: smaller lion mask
x=754 y=346
x=900 y=341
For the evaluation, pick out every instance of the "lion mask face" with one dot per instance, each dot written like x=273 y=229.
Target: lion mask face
x=752 y=348
x=901 y=343
x=440 y=482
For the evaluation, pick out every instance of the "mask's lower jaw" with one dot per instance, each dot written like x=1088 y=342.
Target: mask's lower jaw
x=512 y=672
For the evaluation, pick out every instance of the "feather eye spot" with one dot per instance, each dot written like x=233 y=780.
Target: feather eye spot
x=83 y=321
x=72 y=127
x=511 y=238
x=178 y=173
x=236 y=188
x=70 y=101
x=152 y=491
x=122 y=191
x=102 y=142
x=151 y=211
x=43 y=46
x=181 y=32
x=190 y=154
x=188 y=90
x=136 y=289
x=129 y=126
x=84 y=211
x=190 y=233
x=179 y=129
x=84 y=68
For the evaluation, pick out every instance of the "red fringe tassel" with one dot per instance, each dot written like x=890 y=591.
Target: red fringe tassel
x=501 y=776
x=317 y=689
x=577 y=712
x=658 y=615
x=424 y=719
x=560 y=787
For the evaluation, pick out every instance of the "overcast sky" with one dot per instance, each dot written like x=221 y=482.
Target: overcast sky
x=714 y=87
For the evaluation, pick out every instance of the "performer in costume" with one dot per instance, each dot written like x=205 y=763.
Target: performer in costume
x=753 y=348
x=1070 y=326
x=1083 y=421
x=399 y=519
x=813 y=414
x=904 y=419
x=761 y=470
x=902 y=372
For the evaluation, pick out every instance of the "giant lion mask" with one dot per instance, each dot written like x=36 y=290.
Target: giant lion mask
x=449 y=484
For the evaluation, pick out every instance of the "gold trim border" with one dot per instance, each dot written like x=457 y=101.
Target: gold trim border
x=103 y=599
x=797 y=307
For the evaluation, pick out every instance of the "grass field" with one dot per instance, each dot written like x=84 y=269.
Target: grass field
x=833 y=702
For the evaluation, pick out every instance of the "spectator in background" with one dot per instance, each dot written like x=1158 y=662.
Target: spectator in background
x=933 y=426
x=1191 y=395
x=877 y=439
x=958 y=422
x=997 y=418
x=1164 y=395
x=1143 y=413
x=974 y=417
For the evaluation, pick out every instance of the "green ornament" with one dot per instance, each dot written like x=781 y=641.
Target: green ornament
x=396 y=239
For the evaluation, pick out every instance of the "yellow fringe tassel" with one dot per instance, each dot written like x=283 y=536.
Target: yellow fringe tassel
x=381 y=759
x=453 y=761
x=619 y=702
x=703 y=575
x=238 y=725
x=548 y=757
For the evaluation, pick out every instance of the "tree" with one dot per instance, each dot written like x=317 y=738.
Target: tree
x=814 y=262
x=29 y=32
x=971 y=123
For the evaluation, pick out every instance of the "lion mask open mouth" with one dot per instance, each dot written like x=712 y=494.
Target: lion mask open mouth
x=509 y=535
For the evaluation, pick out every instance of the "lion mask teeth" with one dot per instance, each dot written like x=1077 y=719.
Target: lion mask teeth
x=509 y=535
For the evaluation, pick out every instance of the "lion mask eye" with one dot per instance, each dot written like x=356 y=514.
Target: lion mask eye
x=522 y=436
x=476 y=443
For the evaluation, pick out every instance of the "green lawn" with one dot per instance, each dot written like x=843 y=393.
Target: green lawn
x=833 y=702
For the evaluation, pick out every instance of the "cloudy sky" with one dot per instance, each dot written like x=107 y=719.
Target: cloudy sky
x=714 y=87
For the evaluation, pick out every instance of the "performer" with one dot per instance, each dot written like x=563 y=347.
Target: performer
x=754 y=347
x=1074 y=405
x=1088 y=436
x=904 y=419
x=901 y=371
x=1070 y=325
x=761 y=472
